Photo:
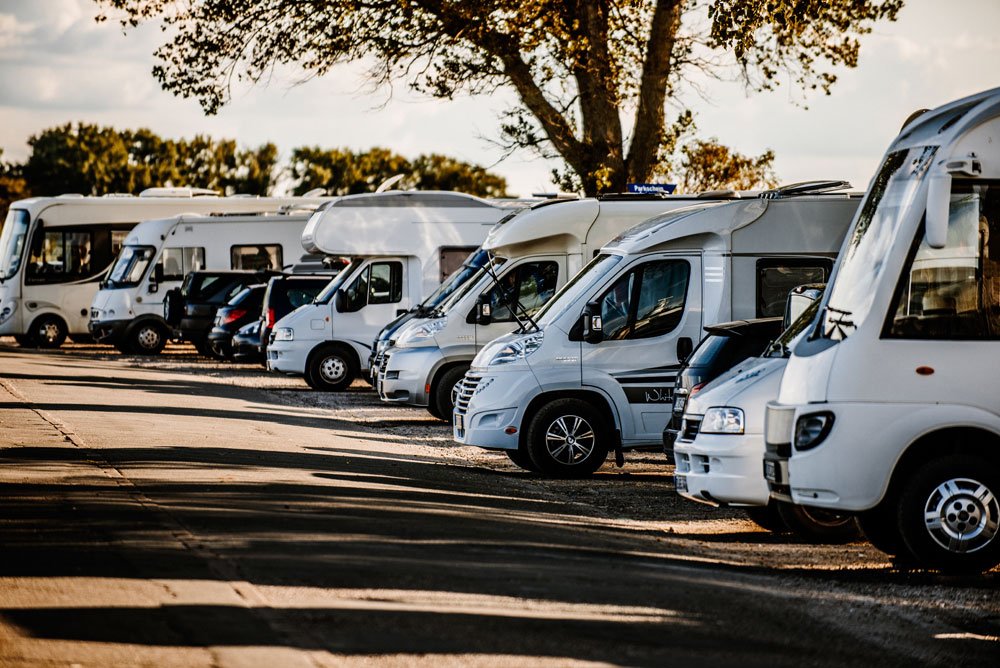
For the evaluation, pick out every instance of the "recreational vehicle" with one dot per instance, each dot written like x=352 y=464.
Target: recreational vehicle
x=55 y=250
x=594 y=369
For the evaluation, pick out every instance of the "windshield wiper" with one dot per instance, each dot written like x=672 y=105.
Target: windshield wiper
x=505 y=296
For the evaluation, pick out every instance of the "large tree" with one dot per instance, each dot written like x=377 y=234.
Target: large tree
x=594 y=78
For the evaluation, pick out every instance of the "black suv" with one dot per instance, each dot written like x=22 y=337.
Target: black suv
x=284 y=294
x=190 y=309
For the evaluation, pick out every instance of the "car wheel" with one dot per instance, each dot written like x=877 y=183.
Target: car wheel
x=146 y=338
x=881 y=527
x=443 y=394
x=521 y=458
x=48 y=331
x=767 y=517
x=818 y=524
x=203 y=348
x=567 y=438
x=330 y=369
x=949 y=514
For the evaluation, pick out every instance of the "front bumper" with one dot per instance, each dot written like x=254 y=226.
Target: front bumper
x=722 y=469
x=490 y=404
x=289 y=356
x=404 y=374
x=108 y=331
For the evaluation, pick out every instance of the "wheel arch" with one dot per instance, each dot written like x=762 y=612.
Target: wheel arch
x=334 y=345
x=595 y=398
x=149 y=317
x=440 y=370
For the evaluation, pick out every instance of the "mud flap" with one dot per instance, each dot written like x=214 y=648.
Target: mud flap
x=619 y=453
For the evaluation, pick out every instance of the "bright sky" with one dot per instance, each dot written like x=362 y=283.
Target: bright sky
x=57 y=65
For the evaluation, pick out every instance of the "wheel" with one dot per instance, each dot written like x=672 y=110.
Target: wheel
x=173 y=306
x=949 y=514
x=521 y=458
x=24 y=341
x=146 y=338
x=203 y=348
x=767 y=517
x=443 y=392
x=567 y=438
x=330 y=369
x=48 y=331
x=818 y=524
x=881 y=527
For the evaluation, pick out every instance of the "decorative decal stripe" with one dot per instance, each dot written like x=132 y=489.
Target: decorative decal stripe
x=635 y=380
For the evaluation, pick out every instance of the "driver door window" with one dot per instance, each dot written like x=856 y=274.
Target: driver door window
x=378 y=283
x=648 y=301
x=528 y=286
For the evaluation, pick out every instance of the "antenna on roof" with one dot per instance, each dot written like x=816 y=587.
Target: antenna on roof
x=389 y=183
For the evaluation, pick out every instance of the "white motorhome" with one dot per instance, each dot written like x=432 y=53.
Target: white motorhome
x=127 y=311
x=402 y=245
x=534 y=253
x=890 y=407
x=55 y=250
x=596 y=369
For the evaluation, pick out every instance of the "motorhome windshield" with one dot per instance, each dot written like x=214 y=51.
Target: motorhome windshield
x=15 y=230
x=327 y=293
x=459 y=294
x=890 y=201
x=130 y=266
x=458 y=279
x=590 y=275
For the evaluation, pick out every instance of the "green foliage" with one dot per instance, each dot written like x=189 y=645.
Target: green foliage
x=583 y=71
x=12 y=186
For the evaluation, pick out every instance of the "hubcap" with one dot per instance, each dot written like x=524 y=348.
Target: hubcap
x=49 y=331
x=570 y=439
x=148 y=337
x=332 y=369
x=962 y=515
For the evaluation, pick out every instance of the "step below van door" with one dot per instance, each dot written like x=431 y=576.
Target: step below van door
x=650 y=312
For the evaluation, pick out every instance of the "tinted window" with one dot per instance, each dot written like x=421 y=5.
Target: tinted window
x=647 y=301
x=528 y=287
x=615 y=307
x=776 y=278
x=256 y=257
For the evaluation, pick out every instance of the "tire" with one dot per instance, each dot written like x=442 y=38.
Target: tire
x=173 y=307
x=48 y=331
x=331 y=369
x=949 y=513
x=521 y=458
x=568 y=438
x=767 y=517
x=24 y=341
x=203 y=348
x=880 y=527
x=442 y=392
x=146 y=338
x=819 y=525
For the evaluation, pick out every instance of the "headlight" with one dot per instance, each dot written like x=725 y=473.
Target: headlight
x=381 y=345
x=722 y=420
x=7 y=310
x=421 y=334
x=284 y=334
x=517 y=349
x=810 y=430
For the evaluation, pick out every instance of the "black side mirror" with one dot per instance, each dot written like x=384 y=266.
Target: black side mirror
x=484 y=310
x=684 y=347
x=340 y=301
x=593 y=324
x=154 y=285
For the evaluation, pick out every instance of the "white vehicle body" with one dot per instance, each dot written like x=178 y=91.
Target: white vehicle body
x=158 y=254
x=536 y=252
x=891 y=407
x=55 y=250
x=405 y=242
x=684 y=270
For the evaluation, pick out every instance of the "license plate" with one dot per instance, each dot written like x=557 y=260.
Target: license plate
x=771 y=471
x=680 y=483
x=679 y=404
x=459 y=422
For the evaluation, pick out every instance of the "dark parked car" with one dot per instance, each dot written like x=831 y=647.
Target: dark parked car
x=724 y=346
x=242 y=309
x=246 y=343
x=190 y=309
x=285 y=294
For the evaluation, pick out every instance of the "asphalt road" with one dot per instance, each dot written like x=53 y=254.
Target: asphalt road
x=166 y=515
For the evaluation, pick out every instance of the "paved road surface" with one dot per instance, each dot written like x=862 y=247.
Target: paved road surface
x=161 y=517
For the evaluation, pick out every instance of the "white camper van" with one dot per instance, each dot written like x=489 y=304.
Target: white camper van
x=402 y=245
x=595 y=369
x=890 y=407
x=127 y=311
x=55 y=250
x=534 y=253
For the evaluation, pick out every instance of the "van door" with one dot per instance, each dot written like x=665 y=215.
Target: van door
x=527 y=284
x=374 y=296
x=650 y=313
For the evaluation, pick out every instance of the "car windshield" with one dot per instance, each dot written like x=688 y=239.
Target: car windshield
x=589 y=276
x=458 y=279
x=889 y=201
x=327 y=293
x=15 y=229
x=130 y=266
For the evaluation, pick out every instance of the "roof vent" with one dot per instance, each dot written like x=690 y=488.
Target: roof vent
x=805 y=188
x=178 y=192
x=718 y=194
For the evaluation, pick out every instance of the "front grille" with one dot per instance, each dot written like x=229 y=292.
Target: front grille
x=689 y=428
x=383 y=362
x=465 y=391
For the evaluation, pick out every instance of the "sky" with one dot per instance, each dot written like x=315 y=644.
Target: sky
x=58 y=65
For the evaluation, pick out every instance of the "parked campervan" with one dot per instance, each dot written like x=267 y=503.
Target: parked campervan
x=402 y=245
x=890 y=407
x=534 y=253
x=127 y=311
x=55 y=250
x=594 y=370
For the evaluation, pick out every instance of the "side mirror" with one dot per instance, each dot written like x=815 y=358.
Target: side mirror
x=684 y=347
x=484 y=310
x=340 y=301
x=154 y=285
x=593 y=324
x=938 y=203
